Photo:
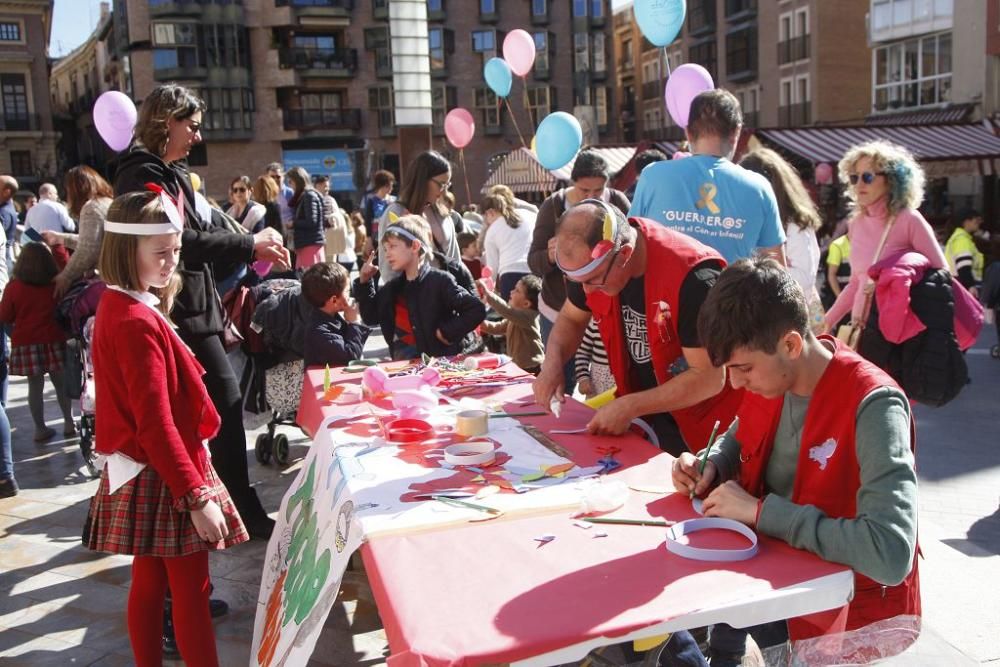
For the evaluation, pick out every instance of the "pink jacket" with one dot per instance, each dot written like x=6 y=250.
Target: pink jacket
x=909 y=233
x=894 y=276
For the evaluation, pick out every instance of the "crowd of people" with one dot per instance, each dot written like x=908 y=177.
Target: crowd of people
x=699 y=298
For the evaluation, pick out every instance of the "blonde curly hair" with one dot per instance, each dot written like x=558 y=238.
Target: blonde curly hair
x=904 y=174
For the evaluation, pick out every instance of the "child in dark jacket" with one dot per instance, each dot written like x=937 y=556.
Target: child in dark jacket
x=423 y=310
x=334 y=335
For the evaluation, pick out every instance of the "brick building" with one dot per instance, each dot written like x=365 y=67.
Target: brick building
x=27 y=138
x=787 y=61
x=310 y=81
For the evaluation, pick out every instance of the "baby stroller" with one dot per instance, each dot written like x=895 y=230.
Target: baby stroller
x=75 y=313
x=271 y=318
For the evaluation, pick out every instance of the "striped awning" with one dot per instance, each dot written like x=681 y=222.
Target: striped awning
x=928 y=143
x=521 y=172
x=956 y=113
x=668 y=147
x=616 y=157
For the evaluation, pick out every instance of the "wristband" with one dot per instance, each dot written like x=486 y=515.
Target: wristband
x=677 y=543
x=194 y=500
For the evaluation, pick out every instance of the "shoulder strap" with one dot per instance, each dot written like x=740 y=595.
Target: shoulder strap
x=869 y=283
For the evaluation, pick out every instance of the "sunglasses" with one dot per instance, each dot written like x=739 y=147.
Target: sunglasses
x=443 y=186
x=239 y=189
x=867 y=177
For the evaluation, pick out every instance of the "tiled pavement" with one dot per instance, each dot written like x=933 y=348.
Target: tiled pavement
x=62 y=605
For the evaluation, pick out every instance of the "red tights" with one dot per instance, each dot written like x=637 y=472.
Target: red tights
x=189 y=587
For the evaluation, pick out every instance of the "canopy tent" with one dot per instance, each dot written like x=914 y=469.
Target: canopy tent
x=521 y=171
x=966 y=148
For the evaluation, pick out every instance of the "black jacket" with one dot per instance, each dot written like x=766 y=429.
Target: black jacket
x=330 y=339
x=434 y=301
x=197 y=310
x=307 y=226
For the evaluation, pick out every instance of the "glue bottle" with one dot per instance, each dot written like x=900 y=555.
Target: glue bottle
x=486 y=361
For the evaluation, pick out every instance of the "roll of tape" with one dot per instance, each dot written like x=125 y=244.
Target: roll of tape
x=472 y=423
x=474 y=453
x=676 y=542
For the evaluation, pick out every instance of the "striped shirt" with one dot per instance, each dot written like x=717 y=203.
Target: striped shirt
x=591 y=351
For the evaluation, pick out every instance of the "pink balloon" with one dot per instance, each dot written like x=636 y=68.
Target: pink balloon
x=519 y=51
x=685 y=83
x=824 y=173
x=459 y=127
x=114 y=118
x=680 y=155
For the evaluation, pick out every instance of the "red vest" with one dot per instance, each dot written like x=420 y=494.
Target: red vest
x=827 y=441
x=670 y=256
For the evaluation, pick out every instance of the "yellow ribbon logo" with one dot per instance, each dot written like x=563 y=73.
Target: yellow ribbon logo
x=708 y=192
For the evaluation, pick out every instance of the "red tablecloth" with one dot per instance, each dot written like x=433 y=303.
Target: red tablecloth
x=489 y=592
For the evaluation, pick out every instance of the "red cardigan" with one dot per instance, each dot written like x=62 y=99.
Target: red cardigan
x=32 y=311
x=151 y=402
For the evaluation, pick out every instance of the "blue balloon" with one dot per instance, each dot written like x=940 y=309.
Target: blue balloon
x=558 y=139
x=660 y=20
x=498 y=76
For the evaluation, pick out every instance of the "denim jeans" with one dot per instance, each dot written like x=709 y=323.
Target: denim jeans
x=569 y=375
x=6 y=455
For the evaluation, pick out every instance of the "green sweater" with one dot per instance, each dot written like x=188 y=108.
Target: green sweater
x=880 y=542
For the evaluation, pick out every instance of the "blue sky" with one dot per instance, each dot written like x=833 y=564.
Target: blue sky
x=72 y=23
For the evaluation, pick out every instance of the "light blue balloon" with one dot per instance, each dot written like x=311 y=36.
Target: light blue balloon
x=498 y=76
x=660 y=20
x=558 y=139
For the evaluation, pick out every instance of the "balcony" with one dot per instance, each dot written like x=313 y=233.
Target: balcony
x=380 y=10
x=651 y=90
x=794 y=49
x=795 y=115
x=897 y=19
x=339 y=8
x=322 y=119
x=20 y=123
x=319 y=62
x=214 y=10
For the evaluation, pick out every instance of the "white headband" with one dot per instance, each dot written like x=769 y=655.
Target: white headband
x=175 y=217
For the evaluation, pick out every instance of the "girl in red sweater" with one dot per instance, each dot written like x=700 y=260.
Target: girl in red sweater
x=38 y=345
x=159 y=498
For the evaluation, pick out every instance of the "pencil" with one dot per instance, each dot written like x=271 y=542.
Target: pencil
x=631 y=522
x=708 y=448
x=517 y=414
x=461 y=503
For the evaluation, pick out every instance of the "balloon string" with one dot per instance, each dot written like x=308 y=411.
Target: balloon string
x=666 y=62
x=511 y=111
x=465 y=174
x=527 y=106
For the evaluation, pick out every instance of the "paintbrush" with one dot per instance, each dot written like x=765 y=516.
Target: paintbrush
x=461 y=503
x=631 y=522
x=708 y=448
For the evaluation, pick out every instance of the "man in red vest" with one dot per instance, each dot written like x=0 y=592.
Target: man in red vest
x=644 y=284
x=822 y=455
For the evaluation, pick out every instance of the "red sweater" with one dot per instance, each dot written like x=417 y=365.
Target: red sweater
x=32 y=311
x=151 y=402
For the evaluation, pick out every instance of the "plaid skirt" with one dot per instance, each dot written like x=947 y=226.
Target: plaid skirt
x=37 y=358
x=139 y=519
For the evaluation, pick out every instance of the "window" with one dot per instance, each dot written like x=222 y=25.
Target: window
x=701 y=16
x=793 y=36
x=601 y=102
x=20 y=163
x=435 y=6
x=484 y=41
x=740 y=6
x=443 y=98
x=541 y=53
x=600 y=53
x=579 y=8
x=741 y=53
x=487 y=7
x=486 y=103
x=435 y=44
x=597 y=9
x=704 y=53
x=539 y=102
x=913 y=73
x=229 y=109
x=14 y=93
x=539 y=8
x=581 y=52
x=626 y=54
x=10 y=32
x=380 y=100
x=191 y=45
x=377 y=40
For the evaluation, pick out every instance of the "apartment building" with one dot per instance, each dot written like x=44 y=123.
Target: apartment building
x=310 y=82
x=27 y=137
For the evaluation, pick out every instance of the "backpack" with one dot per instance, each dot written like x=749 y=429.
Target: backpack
x=929 y=367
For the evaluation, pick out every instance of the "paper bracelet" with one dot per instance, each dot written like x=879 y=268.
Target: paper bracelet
x=408 y=431
x=476 y=453
x=471 y=423
x=677 y=544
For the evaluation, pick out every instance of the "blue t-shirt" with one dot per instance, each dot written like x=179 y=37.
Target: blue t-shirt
x=723 y=205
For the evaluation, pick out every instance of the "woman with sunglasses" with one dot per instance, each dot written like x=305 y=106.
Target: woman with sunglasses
x=243 y=208
x=421 y=193
x=885 y=185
